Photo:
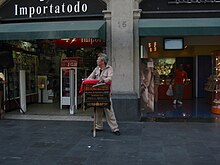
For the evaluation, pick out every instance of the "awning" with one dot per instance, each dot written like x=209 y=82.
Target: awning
x=180 y=27
x=52 y=30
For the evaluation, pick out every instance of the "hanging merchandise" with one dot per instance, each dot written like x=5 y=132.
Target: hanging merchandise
x=216 y=92
x=169 y=91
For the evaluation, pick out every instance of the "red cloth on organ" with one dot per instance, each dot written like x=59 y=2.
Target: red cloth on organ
x=92 y=82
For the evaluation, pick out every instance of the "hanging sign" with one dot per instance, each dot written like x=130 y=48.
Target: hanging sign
x=193 y=1
x=180 y=8
x=40 y=9
x=79 y=42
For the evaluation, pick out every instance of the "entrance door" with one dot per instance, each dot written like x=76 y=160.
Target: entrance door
x=204 y=71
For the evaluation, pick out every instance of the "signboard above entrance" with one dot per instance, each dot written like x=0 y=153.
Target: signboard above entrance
x=180 y=8
x=44 y=9
x=192 y=1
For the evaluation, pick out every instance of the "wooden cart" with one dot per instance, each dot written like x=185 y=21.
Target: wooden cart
x=96 y=96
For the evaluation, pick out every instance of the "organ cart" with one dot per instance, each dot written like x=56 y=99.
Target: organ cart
x=96 y=95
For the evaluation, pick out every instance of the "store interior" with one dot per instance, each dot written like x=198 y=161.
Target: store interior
x=199 y=56
x=47 y=65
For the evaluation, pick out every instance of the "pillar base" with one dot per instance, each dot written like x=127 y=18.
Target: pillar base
x=126 y=106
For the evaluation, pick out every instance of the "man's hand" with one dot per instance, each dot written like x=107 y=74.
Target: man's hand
x=101 y=80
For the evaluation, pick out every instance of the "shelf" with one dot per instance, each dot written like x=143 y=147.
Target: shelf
x=214 y=82
x=31 y=73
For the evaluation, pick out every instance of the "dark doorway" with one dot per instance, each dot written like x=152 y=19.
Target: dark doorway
x=204 y=71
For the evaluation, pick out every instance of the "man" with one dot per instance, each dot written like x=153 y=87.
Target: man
x=180 y=79
x=104 y=72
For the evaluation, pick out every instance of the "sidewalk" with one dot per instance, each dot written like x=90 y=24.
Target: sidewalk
x=47 y=142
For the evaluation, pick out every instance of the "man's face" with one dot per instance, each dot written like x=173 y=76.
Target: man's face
x=100 y=61
x=181 y=67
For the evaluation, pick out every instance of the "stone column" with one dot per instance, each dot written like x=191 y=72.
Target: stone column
x=123 y=48
x=136 y=17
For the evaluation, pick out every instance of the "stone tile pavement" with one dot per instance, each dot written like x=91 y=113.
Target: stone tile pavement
x=53 y=142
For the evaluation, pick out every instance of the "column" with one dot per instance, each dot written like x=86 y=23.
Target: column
x=123 y=48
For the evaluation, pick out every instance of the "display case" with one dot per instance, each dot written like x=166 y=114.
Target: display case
x=210 y=86
x=27 y=62
x=45 y=95
x=80 y=73
x=23 y=60
x=65 y=86
x=213 y=84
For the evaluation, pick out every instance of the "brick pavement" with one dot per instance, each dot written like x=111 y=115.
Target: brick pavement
x=44 y=142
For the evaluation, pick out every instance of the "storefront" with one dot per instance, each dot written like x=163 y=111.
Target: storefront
x=180 y=32
x=40 y=36
x=134 y=35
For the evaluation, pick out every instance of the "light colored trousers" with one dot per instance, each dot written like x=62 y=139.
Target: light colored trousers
x=110 y=118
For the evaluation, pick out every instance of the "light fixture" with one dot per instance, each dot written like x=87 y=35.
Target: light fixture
x=152 y=47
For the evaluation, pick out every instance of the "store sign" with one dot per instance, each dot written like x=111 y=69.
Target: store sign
x=192 y=1
x=79 y=42
x=32 y=11
x=69 y=62
x=38 y=9
x=180 y=8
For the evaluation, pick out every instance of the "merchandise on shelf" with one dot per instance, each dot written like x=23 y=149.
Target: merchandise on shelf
x=164 y=67
x=27 y=62
x=213 y=85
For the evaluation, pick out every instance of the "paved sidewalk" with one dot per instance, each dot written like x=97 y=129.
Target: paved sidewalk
x=42 y=142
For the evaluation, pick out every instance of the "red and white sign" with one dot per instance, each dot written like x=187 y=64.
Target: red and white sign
x=79 y=42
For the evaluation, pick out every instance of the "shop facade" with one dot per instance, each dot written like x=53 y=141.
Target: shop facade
x=127 y=28
x=84 y=19
x=181 y=32
x=40 y=36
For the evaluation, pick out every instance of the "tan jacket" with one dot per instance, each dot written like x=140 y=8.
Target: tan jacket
x=106 y=74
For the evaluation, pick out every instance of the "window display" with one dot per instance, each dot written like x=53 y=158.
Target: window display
x=213 y=86
x=165 y=67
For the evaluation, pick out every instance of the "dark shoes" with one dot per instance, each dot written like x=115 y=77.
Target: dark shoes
x=117 y=133
x=100 y=130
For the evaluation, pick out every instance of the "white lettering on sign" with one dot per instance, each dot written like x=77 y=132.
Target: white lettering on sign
x=31 y=11
x=192 y=1
x=91 y=40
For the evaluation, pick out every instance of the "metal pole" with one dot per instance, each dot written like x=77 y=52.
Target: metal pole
x=22 y=84
x=94 y=123
x=72 y=91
